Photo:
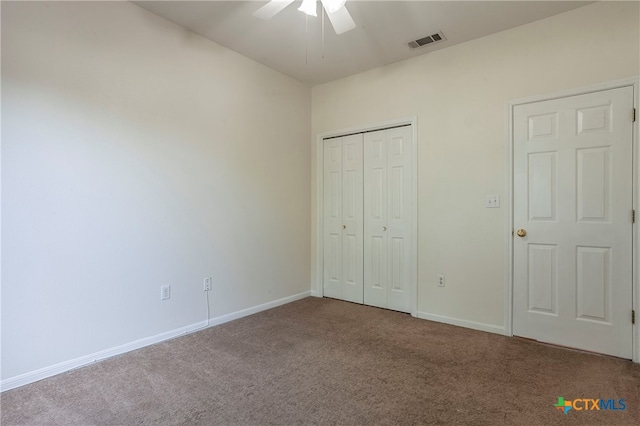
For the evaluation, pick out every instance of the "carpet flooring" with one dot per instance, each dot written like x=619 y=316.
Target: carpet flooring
x=324 y=361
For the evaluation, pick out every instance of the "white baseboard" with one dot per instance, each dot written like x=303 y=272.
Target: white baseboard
x=255 y=309
x=490 y=328
x=43 y=373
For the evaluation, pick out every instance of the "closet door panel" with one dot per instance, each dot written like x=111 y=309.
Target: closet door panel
x=332 y=223
x=352 y=252
x=399 y=165
x=375 y=219
x=387 y=218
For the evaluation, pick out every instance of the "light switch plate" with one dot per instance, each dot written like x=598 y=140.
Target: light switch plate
x=493 y=202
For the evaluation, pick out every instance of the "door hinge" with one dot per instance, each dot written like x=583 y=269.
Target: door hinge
x=634 y=115
x=633 y=316
x=633 y=216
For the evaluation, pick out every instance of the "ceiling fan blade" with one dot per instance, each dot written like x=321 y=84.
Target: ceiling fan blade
x=341 y=20
x=270 y=9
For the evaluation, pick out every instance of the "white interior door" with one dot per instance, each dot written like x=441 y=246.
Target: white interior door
x=573 y=198
x=343 y=219
x=388 y=246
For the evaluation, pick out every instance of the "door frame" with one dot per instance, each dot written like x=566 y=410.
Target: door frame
x=633 y=82
x=317 y=260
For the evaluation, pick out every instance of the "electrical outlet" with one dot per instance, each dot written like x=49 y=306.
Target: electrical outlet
x=165 y=292
x=207 y=284
x=440 y=280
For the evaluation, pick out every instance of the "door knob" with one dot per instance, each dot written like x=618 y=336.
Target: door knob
x=344 y=226
x=384 y=228
x=521 y=232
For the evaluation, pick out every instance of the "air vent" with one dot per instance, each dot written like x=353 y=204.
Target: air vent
x=424 y=41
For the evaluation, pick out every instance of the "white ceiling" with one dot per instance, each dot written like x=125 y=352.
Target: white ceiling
x=383 y=30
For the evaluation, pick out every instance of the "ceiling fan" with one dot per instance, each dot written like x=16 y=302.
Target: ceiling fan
x=336 y=11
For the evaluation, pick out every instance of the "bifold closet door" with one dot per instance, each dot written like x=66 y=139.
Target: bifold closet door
x=343 y=218
x=388 y=247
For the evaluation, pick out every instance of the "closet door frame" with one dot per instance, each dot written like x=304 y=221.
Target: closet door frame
x=317 y=259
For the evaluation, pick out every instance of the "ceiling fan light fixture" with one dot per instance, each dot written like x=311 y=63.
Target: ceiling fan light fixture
x=309 y=7
x=333 y=5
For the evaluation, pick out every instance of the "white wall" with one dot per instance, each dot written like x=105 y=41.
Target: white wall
x=459 y=95
x=136 y=154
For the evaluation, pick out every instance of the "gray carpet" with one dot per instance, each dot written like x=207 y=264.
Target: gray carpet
x=323 y=361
